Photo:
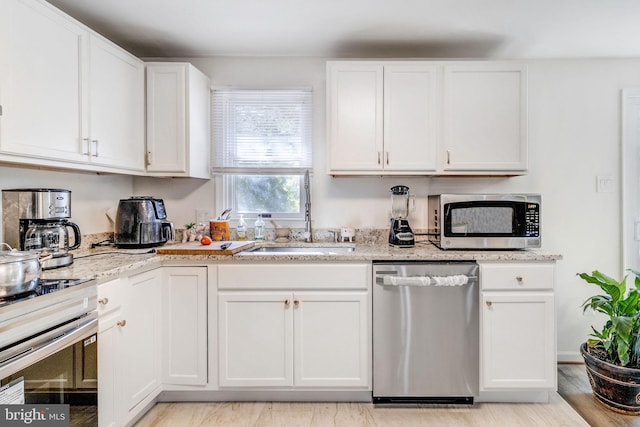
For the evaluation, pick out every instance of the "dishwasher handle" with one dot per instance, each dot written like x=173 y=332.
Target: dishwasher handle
x=452 y=280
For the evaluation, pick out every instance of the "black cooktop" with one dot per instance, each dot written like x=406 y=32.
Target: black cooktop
x=45 y=286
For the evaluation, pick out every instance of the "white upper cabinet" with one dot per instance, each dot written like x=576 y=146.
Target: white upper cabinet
x=485 y=117
x=354 y=116
x=381 y=118
x=69 y=97
x=40 y=82
x=426 y=118
x=410 y=117
x=178 y=130
x=115 y=128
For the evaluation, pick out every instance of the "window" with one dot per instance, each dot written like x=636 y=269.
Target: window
x=261 y=150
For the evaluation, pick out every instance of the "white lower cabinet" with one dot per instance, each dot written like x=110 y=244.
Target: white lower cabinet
x=128 y=346
x=110 y=298
x=287 y=337
x=184 y=325
x=518 y=333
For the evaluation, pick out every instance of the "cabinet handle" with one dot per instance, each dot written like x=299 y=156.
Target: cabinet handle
x=287 y=303
x=378 y=157
x=296 y=303
x=448 y=157
x=122 y=323
x=387 y=153
x=148 y=158
x=85 y=147
x=103 y=301
x=95 y=144
x=488 y=304
x=520 y=280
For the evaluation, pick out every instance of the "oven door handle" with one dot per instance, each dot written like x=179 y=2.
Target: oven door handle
x=42 y=346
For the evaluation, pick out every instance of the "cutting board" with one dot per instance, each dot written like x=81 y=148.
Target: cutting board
x=195 y=248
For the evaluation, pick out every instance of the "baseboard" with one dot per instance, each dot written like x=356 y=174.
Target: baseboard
x=569 y=357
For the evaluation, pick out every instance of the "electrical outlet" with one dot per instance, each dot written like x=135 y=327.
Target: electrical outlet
x=605 y=184
x=203 y=216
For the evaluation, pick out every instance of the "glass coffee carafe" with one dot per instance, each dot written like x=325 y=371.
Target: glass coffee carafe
x=52 y=238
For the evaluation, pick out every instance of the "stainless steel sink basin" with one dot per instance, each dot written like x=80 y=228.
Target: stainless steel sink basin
x=297 y=250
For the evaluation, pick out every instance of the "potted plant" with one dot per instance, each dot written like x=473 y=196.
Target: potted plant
x=612 y=353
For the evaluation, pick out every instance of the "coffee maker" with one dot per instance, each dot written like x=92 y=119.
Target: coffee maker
x=400 y=233
x=37 y=219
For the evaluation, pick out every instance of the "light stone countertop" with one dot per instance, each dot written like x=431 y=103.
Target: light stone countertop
x=106 y=263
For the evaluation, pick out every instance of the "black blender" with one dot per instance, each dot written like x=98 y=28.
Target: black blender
x=400 y=233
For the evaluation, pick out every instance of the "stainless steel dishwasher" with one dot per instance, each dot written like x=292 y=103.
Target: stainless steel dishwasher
x=425 y=332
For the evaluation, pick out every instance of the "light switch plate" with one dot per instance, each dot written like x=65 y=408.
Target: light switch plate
x=605 y=184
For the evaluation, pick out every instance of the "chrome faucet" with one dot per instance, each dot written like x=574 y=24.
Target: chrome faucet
x=308 y=233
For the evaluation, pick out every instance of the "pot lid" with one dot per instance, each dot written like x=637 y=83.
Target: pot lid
x=17 y=256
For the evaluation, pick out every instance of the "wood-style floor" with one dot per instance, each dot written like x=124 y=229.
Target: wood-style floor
x=272 y=414
x=573 y=405
x=574 y=387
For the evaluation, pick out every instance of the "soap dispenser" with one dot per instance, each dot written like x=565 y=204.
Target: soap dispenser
x=241 y=230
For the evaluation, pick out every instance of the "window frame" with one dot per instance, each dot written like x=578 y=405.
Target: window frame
x=223 y=181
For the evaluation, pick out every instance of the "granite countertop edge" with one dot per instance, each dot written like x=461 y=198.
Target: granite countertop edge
x=103 y=264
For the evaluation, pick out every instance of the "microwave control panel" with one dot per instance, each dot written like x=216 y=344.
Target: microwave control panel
x=532 y=220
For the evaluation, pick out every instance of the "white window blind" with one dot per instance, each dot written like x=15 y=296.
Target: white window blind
x=261 y=131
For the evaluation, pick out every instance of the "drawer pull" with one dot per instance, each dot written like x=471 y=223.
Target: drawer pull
x=287 y=303
x=520 y=280
x=122 y=323
x=488 y=304
x=296 y=303
x=104 y=301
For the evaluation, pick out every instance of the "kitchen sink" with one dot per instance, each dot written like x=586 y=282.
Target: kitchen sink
x=297 y=250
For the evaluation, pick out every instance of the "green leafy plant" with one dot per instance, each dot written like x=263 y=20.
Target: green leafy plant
x=618 y=338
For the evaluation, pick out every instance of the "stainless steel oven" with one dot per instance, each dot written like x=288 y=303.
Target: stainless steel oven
x=48 y=349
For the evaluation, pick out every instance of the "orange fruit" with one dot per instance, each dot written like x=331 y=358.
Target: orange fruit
x=205 y=240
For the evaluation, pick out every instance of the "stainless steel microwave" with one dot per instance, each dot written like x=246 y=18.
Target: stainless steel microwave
x=484 y=221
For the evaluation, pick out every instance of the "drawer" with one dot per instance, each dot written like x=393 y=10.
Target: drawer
x=294 y=276
x=514 y=276
x=109 y=297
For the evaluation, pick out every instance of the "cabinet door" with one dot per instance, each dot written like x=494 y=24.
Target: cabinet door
x=140 y=337
x=184 y=317
x=518 y=341
x=40 y=82
x=331 y=339
x=116 y=106
x=255 y=339
x=108 y=398
x=485 y=117
x=166 y=118
x=355 y=124
x=410 y=118
x=110 y=296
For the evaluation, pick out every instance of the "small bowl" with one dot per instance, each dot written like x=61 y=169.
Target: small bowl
x=282 y=234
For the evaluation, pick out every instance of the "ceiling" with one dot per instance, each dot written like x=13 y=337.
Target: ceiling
x=366 y=28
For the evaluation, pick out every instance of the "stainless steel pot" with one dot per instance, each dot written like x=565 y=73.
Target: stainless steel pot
x=19 y=272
